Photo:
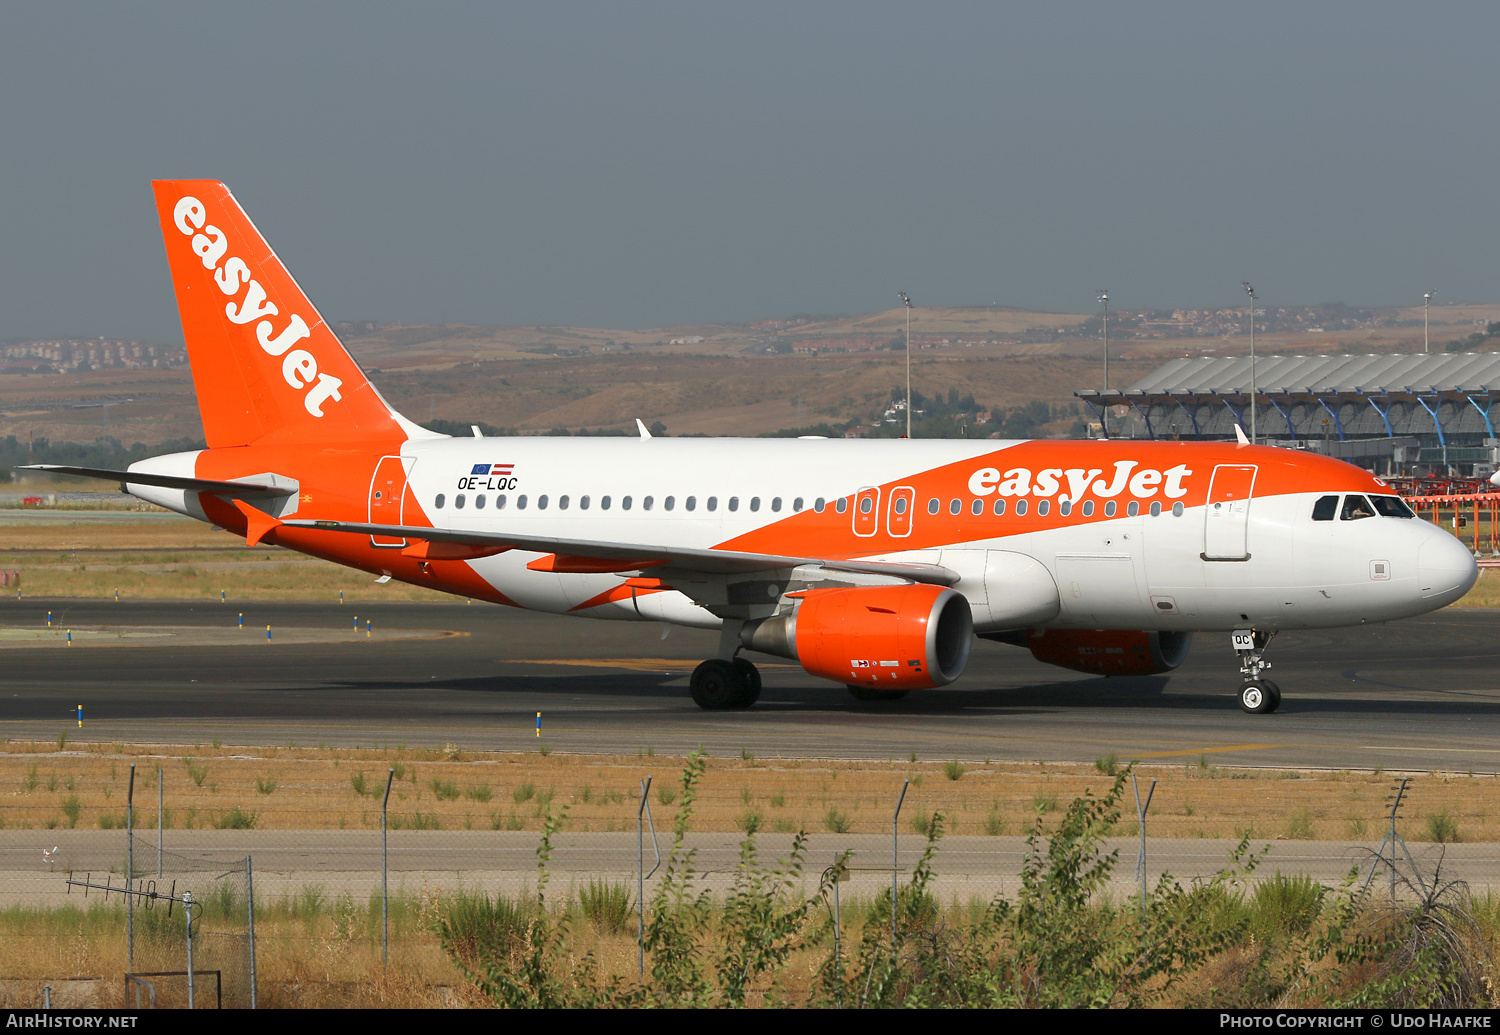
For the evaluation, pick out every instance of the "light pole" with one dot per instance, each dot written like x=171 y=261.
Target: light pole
x=1426 y=300
x=1104 y=410
x=1253 y=298
x=907 y=302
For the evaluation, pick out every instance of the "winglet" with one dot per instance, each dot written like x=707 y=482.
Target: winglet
x=642 y=426
x=1239 y=436
x=257 y=522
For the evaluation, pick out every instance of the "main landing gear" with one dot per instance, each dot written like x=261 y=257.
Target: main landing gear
x=717 y=685
x=1258 y=696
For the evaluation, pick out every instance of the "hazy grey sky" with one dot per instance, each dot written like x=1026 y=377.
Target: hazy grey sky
x=642 y=164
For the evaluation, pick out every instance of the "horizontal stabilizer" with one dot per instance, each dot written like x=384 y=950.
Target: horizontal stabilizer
x=167 y=481
x=637 y=556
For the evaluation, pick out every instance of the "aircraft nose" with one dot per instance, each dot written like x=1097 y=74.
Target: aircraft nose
x=1446 y=569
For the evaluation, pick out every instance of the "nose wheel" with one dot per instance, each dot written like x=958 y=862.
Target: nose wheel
x=1258 y=695
x=719 y=685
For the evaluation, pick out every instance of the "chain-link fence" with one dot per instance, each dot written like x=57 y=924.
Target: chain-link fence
x=246 y=858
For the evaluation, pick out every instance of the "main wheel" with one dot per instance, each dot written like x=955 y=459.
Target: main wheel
x=870 y=693
x=751 y=676
x=718 y=684
x=1259 y=697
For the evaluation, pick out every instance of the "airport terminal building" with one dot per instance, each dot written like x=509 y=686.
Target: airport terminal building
x=1402 y=415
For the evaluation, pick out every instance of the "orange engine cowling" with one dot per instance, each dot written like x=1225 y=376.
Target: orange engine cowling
x=906 y=637
x=1110 y=652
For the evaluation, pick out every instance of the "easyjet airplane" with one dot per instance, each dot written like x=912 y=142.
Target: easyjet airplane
x=871 y=563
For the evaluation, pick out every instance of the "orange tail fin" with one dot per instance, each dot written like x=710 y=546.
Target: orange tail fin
x=265 y=365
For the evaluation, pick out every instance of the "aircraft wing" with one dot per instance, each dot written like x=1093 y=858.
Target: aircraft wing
x=166 y=481
x=635 y=556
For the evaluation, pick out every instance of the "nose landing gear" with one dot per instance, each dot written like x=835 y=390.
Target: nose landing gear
x=1258 y=696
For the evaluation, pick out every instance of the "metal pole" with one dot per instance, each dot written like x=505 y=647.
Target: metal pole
x=250 y=912
x=1252 y=369
x=47 y=997
x=640 y=882
x=158 y=824
x=130 y=868
x=895 y=860
x=187 y=912
x=385 y=874
x=1140 y=811
x=837 y=923
x=907 y=302
x=1104 y=410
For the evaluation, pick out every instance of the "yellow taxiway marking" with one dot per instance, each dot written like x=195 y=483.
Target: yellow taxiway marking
x=635 y=664
x=1205 y=750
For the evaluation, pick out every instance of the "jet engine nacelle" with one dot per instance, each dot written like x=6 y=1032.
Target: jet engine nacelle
x=906 y=637
x=1110 y=652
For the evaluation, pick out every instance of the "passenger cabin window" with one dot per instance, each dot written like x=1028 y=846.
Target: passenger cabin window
x=520 y=502
x=1042 y=507
x=933 y=506
x=1325 y=508
x=583 y=503
x=899 y=506
x=1391 y=506
x=1132 y=508
x=1088 y=508
x=541 y=503
x=1109 y=508
x=713 y=503
x=1177 y=509
x=819 y=504
x=671 y=502
x=1020 y=508
x=603 y=502
x=459 y=501
x=797 y=505
x=479 y=502
x=692 y=503
x=1356 y=507
x=954 y=506
x=1000 y=506
x=500 y=502
x=1064 y=507
x=841 y=505
x=755 y=504
x=866 y=505
x=977 y=507
x=562 y=502
x=438 y=503
x=1156 y=510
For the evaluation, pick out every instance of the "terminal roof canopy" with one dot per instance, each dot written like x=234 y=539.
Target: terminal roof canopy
x=1323 y=375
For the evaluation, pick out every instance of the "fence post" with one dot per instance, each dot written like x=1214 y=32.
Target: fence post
x=250 y=913
x=895 y=860
x=643 y=810
x=158 y=824
x=1140 y=813
x=130 y=868
x=385 y=885
x=187 y=912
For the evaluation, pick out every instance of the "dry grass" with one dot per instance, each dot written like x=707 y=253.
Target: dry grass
x=178 y=560
x=312 y=788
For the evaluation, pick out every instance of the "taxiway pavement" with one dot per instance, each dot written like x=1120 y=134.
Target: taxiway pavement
x=1422 y=694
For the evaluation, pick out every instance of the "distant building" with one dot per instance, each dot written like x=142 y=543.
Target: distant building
x=1396 y=414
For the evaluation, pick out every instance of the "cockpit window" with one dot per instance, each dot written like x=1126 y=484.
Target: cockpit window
x=1391 y=506
x=1356 y=507
x=1325 y=508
